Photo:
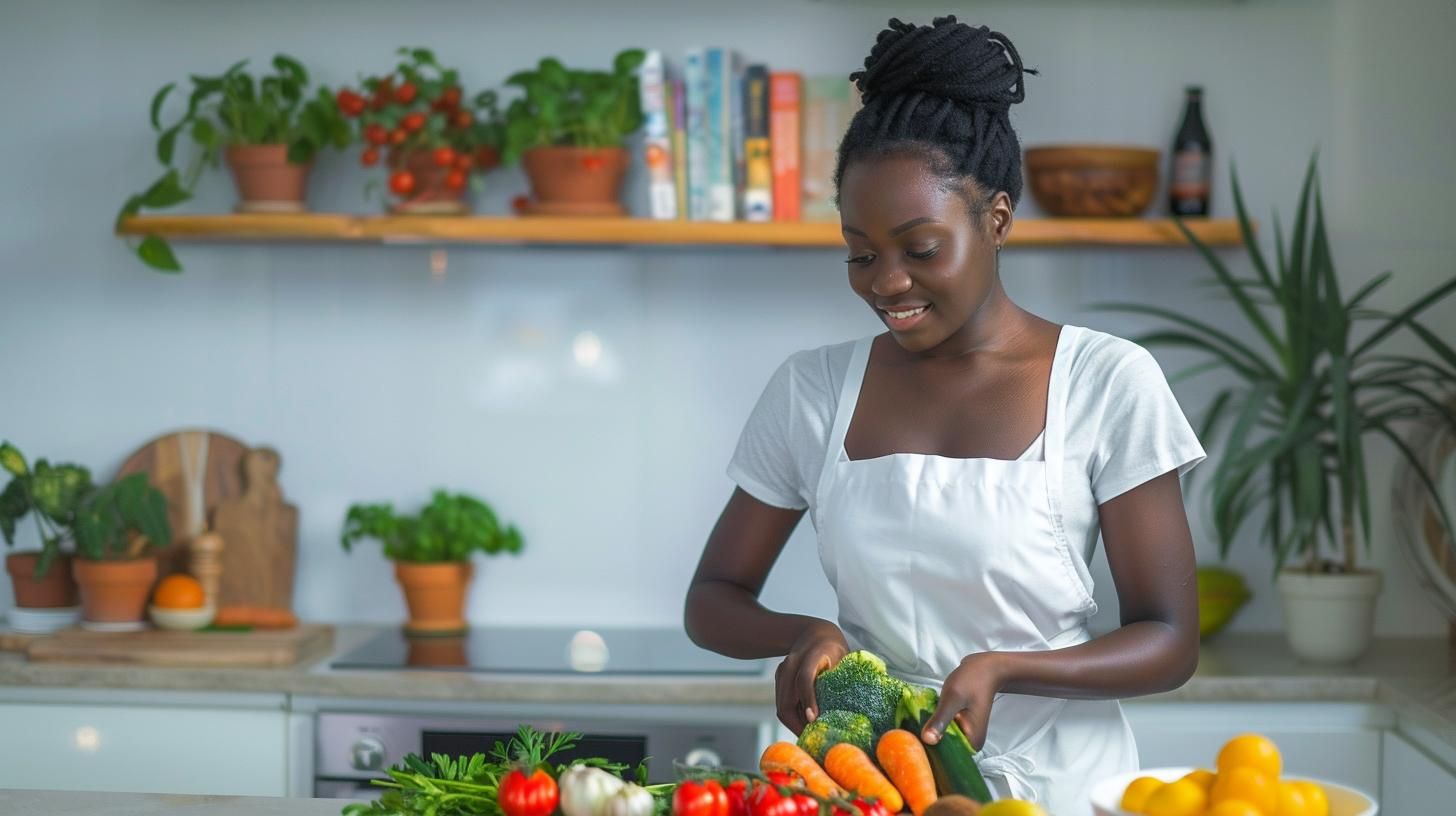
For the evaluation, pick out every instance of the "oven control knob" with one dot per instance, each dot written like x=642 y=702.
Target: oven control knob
x=703 y=758
x=367 y=754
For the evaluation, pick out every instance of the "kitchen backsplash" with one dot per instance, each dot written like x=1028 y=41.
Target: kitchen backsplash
x=592 y=396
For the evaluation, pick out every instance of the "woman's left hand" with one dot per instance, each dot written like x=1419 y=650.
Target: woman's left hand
x=966 y=696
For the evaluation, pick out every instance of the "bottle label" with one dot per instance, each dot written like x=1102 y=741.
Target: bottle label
x=1190 y=174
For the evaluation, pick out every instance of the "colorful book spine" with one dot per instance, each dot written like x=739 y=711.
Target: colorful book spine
x=657 y=137
x=680 y=145
x=829 y=103
x=695 y=80
x=785 y=146
x=757 y=157
x=721 y=189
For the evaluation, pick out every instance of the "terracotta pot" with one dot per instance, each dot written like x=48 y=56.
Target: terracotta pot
x=267 y=181
x=115 y=591
x=431 y=195
x=435 y=595
x=56 y=590
x=576 y=180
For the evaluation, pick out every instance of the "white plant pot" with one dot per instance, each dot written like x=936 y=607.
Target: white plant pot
x=1329 y=618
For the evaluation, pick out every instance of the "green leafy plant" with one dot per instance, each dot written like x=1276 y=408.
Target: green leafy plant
x=420 y=106
x=234 y=108
x=449 y=528
x=120 y=520
x=562 y=106
x=1309 y=391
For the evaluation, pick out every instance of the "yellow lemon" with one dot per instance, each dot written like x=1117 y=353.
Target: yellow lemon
x=1234 y=807
x=1203 y=777
x=1012 y=807
x=1135 y=798
x=1251 y=751
x=1247 y=785
x=1181 y=798
x=1315 y=801
x=1291 y=800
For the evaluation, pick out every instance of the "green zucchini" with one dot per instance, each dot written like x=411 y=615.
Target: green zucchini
x=952 y=760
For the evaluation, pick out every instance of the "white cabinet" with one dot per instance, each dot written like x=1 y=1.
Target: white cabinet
x=144 y=748
x=1338 y=742
x=1413 y=781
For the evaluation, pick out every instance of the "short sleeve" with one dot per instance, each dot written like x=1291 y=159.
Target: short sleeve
x=1142 y=432
x=764 y=464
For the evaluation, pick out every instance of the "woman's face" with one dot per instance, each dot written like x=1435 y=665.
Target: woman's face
x=918 y=257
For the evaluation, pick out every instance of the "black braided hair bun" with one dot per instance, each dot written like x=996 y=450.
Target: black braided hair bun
x=946 y=88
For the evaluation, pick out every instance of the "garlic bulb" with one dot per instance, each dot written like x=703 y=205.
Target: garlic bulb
x=585 y=791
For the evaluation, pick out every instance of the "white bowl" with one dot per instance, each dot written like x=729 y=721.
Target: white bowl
x=1107 y=794
x=182 y=619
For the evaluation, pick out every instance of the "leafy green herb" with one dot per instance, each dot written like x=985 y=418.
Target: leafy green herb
x=562 y=106
x=449 y=528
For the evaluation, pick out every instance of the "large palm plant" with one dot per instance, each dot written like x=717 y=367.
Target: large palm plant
x=1308 y=390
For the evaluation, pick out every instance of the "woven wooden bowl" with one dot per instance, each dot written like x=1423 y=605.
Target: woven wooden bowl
x=1092 y=181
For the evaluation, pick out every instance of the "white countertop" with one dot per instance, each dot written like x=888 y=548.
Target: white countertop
x=69 y=803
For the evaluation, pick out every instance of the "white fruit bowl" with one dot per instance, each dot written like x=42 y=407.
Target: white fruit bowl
x=184 y=620
x=1107 y=794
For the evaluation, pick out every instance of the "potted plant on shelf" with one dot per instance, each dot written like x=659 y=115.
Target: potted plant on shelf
x=50 y=494
x=432 y=138
x=267 y=129
x=568 y=131
x=1293 y=425
x=431 y=552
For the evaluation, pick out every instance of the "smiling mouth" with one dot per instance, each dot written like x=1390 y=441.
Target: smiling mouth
x=906 y=314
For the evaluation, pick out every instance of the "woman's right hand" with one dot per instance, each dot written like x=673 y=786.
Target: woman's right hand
x=819 y=647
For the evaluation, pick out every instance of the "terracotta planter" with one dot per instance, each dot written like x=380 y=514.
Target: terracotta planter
x=57 y=590
x=267 y=181
x=576 y=180
x=115 y=591
x=435 y=595
x=431 y=195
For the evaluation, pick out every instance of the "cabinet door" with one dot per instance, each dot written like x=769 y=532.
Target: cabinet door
x=151 y=749
x=1338 y=742
x=1414 y=782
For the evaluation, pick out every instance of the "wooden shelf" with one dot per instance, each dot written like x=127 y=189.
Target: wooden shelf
x=385 y=229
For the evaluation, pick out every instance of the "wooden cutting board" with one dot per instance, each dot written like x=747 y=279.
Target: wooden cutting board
x=259 y=648
x=13 y=641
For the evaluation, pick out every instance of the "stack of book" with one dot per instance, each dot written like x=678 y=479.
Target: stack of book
x=725 y=141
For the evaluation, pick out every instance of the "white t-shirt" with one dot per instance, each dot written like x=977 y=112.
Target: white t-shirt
x=1123 y=428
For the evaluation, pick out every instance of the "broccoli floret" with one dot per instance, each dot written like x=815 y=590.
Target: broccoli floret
x=860 y=683
x=833 y=727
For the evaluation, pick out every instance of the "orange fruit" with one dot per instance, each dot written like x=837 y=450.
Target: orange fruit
x=1247 y=785
x=1181 y=798
x=1291 y=800
x=1234 y=807
x=179 y=592
x=1135 y=798
x=1251 y=751
x=1315 y=801
x=1203 y=777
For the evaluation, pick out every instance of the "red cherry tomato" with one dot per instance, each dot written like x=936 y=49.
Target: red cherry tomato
x=405 y=94
x=444 y=157
x=376 y=134
x=369 y=157
x=397 y=136
x=413 y=122
x=463 y=119
x=350 y=103
x=591 y=164
x=767 y=801
x=383 y=93
x=864 y=807
x=450 y=97
x=700 y=798
x=534 y=795
x=402 y=183
x=738 y=793
x=455 y=180
x=464 y=162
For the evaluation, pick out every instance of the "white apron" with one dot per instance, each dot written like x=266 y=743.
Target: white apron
x=933 y=559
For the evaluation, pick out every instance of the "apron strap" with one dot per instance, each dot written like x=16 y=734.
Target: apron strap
x=1056 y=413
x=844 y=411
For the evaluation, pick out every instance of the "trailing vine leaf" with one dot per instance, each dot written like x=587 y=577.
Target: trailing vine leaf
x=156 y=254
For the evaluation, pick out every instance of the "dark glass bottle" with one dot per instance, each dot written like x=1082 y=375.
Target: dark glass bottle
x=1191 y=174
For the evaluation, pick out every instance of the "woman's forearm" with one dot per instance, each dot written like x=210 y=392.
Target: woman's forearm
x=726 y=618
x=1144 y=657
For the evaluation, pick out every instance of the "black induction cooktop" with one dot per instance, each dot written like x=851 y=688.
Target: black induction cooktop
x=560 y=650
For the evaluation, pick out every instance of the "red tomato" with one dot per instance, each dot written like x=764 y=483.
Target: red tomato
x=464 y=162
x=737 y=791
x=350 y=103
x=463 y=119
x=520 y=203
x=700 y=798
x=413 y=122
x=369 y=157
x=376 y=134
x=444 y=157
x=406 y=93
x=455 y=180
x=450 y=97
x=520 y=795
x=403 y=183
x=864 y=807
x=397 y=136
x=383 y=92
x=591 y=164
x=767 y=801
x=808 y=805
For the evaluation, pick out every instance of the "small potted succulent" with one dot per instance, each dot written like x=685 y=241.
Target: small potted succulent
x=568 y=131
x=267 y=129
x=49 y=494
x=421 y=126
x=431 y=552
x=112 y=529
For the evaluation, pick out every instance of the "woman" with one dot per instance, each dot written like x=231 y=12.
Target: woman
x=959 y=467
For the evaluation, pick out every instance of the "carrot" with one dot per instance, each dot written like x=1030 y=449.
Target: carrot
x=261 y=617
x=786 y=756
x=903 y=757
x=851 y=767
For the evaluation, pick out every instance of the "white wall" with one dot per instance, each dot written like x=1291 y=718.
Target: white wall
x=377 y=382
